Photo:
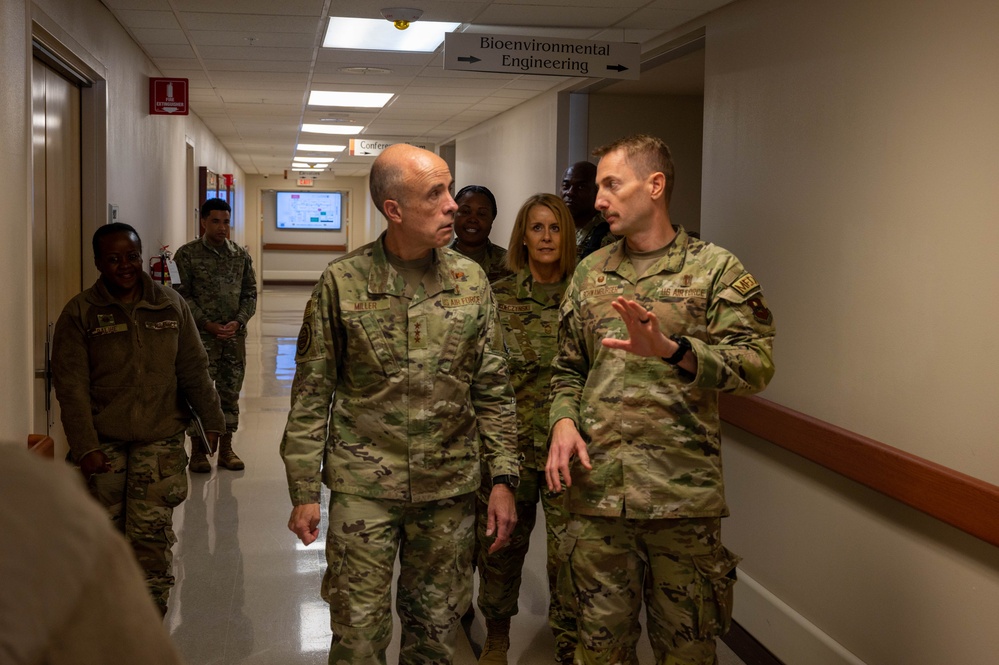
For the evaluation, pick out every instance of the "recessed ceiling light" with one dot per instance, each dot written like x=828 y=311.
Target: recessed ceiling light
x=314 y=160
x=368 y=34
x=367 y=100
x=308 y=169
x=319 y=147
x=346 y=130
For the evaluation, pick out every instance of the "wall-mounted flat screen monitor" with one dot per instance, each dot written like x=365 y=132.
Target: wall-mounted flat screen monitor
x=310 y=210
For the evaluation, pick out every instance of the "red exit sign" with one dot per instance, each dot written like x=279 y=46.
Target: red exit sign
x=167 y=96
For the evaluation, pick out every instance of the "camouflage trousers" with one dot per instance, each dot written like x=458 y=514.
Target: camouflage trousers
x=146 y=482
x=678 y=566
x=433 y=540
x=500 y=572
x=227 y=367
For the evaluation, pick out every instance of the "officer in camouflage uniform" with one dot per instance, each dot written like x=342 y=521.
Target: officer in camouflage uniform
x=473 y=222
x=218 y=282
x=123 y=354
x=401 y=389
x=652 y=328
x=543 y=252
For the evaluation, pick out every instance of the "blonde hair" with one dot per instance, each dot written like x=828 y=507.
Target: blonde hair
x=516 y=253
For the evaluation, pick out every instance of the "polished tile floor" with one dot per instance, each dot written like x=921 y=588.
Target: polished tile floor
x=247 y=591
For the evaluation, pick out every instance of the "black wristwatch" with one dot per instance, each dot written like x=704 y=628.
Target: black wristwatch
x=683 y=345
x=513 y=482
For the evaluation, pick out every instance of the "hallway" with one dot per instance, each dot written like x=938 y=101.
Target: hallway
x=247 y=591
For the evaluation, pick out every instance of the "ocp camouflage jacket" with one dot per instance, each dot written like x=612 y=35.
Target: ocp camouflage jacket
x=396 y=398
x=652 y=430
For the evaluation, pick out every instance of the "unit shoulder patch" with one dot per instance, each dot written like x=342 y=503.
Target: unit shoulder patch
x=761 y=312
x=304 y=339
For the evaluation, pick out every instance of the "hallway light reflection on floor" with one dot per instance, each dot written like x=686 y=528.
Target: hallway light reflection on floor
x=314 y=632
x=284 y=365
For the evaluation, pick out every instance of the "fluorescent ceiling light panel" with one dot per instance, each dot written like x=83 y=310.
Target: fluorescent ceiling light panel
x=314 y=160
x=319 y=147
x=364 y=100
x=306 y=169
x=368 y=34
x=347 y=130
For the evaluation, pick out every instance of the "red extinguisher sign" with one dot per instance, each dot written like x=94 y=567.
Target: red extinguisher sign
x=159 y=267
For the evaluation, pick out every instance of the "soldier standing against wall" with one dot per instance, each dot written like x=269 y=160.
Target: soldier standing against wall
x=218 y=282
x=401 y=396
x=652 y=328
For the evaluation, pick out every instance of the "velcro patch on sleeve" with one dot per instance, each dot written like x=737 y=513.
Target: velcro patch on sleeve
x=745 y=283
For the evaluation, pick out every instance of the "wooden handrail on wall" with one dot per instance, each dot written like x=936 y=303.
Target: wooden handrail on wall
x=284 y=247
x=962 y=501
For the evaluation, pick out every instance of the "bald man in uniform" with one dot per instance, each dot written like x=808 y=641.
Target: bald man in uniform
x=401 y=398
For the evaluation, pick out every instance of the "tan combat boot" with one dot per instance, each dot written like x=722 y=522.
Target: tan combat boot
x=497 y=642
x=227 y=458
x=199 y=461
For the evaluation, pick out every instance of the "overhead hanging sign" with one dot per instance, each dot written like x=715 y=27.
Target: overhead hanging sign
x=516 y=54
x=168 y=96
x=373 y=147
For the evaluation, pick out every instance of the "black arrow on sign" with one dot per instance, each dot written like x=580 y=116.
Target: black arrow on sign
x=470 y=59
x=619 y=68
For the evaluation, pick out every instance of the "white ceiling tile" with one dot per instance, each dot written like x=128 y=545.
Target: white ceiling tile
x=170 y=51
x=148 y=36
x=274 y=22
x=304 y=40
x=254 y=53
x=533 y=15
x=251 y=67
x=311 y=8
x=163 y=20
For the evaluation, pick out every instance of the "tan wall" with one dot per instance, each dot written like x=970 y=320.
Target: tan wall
x=850 y=162
x=145 y=168
x=676 y=119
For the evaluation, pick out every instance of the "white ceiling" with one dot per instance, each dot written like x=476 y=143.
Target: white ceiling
x=252 y=63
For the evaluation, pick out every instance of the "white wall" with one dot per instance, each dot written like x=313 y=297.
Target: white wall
x=514 y=156
x=850 y=161
x=146 y=164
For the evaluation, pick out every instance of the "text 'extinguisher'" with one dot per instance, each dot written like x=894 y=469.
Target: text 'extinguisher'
x=159 y=266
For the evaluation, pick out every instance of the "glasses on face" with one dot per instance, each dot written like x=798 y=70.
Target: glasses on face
x=115 y=259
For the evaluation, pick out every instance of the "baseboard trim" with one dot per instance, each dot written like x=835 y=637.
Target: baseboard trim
x=748 y=648
x=780 y=630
